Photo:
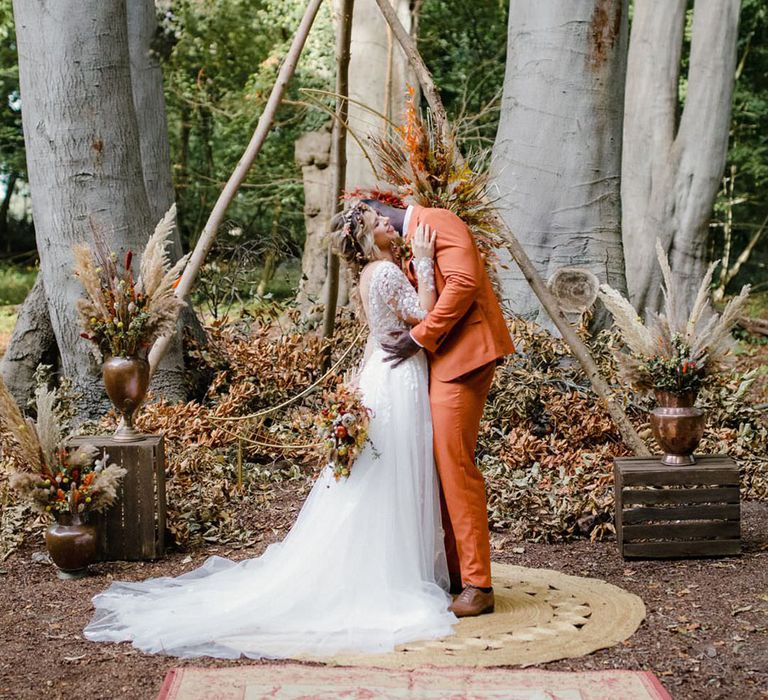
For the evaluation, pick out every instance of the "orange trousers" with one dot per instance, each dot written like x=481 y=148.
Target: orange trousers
x=457 y=407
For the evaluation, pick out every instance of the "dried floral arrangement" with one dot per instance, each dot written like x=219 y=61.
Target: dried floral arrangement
x=342 y=426
x=54 y=479
x=670 y=352
x=426 y=167
x=123 y=316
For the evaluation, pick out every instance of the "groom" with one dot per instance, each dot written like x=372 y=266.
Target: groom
x=464 y=335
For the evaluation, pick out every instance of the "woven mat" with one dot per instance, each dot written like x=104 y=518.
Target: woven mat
x=541 y=615
x=295 y=682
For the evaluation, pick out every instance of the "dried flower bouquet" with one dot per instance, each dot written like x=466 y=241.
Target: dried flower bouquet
x=55 y=479
x=670 y=352
x=122 y=316
x=343 y=428
x=425 y=166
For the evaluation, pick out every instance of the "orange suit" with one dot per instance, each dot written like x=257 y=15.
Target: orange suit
x=464 y=335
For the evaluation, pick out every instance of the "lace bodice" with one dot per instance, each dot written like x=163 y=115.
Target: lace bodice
x=393 y=303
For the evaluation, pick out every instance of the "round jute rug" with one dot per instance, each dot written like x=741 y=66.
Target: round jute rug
x=541 y=615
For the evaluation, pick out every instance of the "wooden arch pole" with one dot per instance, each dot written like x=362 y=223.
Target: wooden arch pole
x=338 y=158
x=548 y=301
x=208 y=236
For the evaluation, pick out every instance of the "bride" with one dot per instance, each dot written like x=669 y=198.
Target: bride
x=363 y=569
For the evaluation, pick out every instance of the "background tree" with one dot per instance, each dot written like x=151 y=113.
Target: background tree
x=378 y=73
x=557 y=156
x=675 y=145
x=83 y=155
x=465 y=47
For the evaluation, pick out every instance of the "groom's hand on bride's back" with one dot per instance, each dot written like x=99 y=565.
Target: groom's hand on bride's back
x=399 y=347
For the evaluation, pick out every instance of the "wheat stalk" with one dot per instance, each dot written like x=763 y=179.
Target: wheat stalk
x=87 y=272
x=700 y=304
x=635 y=335
x=24 y=434
x=47 y=425
x=155 y=258
x=669 y=290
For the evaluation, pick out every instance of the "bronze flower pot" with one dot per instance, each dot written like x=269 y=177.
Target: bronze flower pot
x=672 y=400
x=126 y=380
x=678 y=430
x=72 y=545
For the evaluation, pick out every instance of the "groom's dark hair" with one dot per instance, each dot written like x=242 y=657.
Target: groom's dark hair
x=381 y=207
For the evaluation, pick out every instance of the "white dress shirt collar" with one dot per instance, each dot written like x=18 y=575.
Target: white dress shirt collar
x=407 y=219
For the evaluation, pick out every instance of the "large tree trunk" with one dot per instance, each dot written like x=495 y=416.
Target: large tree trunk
x=82 y=146
x=378 y=72
x=557 y=155
x=149 y=102
x=671 y=174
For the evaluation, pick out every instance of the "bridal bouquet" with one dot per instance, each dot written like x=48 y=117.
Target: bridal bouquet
x=343 y=428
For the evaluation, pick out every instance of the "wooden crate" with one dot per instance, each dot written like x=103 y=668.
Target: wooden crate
x=665 y=512
x=134 y=527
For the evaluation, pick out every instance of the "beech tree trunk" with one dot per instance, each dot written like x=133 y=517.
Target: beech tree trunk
x=672 y=168
x=83 y=156
x=378 y=73
x=557 y=156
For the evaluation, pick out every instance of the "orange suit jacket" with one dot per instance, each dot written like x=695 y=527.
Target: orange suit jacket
x=466 y=329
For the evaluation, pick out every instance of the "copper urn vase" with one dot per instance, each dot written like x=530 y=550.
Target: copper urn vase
x=126 y=380
x=71 y=544
x=678 y=426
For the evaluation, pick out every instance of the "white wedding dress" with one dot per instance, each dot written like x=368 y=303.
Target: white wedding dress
x=363 y=568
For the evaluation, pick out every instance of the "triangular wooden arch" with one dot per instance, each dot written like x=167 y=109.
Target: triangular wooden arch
x=207 y=237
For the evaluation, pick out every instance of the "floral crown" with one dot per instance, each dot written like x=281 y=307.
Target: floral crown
x=353 y=217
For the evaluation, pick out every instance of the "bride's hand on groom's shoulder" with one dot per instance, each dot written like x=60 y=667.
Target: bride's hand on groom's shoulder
x=423 y=242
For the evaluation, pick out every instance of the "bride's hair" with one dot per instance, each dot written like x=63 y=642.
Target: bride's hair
x=351 y=237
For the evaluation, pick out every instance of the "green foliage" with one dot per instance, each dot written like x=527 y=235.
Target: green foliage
x=220 y=60
x=15 y=283
x=12 y=158
x=743 y=196
x=464 y=44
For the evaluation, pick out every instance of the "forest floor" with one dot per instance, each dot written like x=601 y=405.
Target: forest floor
x=705 y=635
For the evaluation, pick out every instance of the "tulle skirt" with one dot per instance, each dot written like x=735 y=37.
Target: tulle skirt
x=362 y=570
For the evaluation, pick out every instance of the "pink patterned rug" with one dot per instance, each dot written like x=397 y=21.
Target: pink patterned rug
x=297 y=682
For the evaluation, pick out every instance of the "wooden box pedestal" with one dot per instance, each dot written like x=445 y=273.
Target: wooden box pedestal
x=134 y=527
x=664 y=512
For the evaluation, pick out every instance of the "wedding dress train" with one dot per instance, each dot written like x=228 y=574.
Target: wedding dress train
x=363 y=568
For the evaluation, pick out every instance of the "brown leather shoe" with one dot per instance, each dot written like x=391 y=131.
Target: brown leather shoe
x=472 y=601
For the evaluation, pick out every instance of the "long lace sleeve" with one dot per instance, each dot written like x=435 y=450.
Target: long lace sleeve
x=425 y=273
x=391 y=294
